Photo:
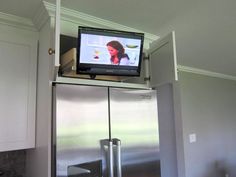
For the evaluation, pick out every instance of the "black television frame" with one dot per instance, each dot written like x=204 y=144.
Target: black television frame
x=113 y=70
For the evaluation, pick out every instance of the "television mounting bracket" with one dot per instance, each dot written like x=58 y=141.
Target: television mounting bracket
x=92 y=76
x=146 y=57
x=147 y=78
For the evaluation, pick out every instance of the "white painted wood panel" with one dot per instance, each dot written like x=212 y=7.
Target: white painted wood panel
x=163 y=64
x=18 y=61
x=39 y=159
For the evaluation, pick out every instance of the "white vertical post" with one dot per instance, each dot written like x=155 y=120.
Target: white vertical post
x=175 y=56
x=146 y=69
x=57 y=32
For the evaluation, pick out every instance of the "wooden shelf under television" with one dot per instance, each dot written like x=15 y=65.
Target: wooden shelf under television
x=73 y=74
x=68 y=68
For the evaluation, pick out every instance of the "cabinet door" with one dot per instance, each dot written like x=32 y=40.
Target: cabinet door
x=163 y=64
x=134 y=122
x=56 y=35
x=18 y=61
x=80 y=126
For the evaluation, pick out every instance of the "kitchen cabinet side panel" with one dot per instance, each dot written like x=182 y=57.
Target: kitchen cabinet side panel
x=38 y=160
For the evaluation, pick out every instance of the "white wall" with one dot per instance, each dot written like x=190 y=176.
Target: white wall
x=209 y=111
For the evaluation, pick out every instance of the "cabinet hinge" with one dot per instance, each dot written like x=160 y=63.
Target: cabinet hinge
x=147 y=78
x=146 y=57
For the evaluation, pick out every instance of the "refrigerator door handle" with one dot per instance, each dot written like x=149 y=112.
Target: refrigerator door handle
x=117 y=142
x=110 y=157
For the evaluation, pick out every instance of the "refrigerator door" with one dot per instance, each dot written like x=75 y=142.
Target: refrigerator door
x=134 y=129
x=81 y=125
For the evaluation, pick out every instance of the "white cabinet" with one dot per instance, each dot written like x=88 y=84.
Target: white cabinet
x=163 y=62
x=18 y=69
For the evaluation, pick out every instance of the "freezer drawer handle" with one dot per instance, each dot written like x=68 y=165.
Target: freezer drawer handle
x=117 y=142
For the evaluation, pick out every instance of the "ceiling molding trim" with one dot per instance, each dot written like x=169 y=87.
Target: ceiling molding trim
x=76 y=16
x=205 y=72
x=42 y=15
x=16 y=21
x=51 y=8
x=82 y=18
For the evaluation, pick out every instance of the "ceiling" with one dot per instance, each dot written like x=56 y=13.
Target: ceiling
x=205 y=29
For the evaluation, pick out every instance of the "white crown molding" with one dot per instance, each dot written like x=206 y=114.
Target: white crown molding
x=82 y=18
x=205 y=72
x=75 y=17
x=16 y=21
x=41 y=16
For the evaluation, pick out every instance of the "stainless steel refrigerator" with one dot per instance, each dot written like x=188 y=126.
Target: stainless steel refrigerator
x=105 y=132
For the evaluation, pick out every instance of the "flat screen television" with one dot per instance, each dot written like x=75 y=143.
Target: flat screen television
x=109 y=52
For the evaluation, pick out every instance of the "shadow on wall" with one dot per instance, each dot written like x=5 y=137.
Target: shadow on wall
x=217 y=169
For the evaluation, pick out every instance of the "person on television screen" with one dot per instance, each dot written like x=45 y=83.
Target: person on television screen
x=117 y=52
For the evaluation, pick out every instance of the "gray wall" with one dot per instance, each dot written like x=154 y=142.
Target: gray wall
x=208 y=110
x=205 y=35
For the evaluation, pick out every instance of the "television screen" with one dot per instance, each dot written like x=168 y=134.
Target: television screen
x=109 y=52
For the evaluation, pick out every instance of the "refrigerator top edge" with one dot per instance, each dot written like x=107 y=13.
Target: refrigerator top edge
x=113 y=84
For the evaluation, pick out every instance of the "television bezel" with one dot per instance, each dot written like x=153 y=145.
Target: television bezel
x=84 y=68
